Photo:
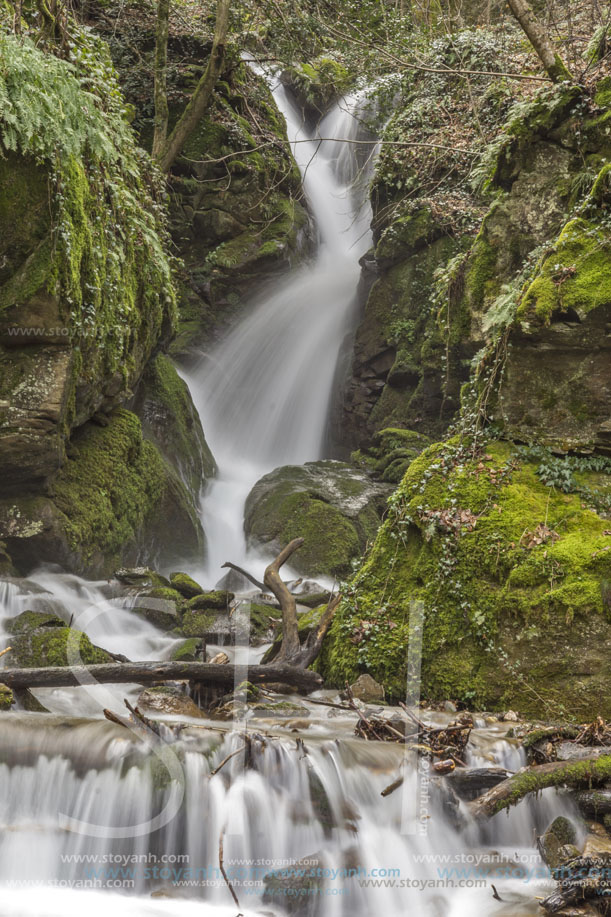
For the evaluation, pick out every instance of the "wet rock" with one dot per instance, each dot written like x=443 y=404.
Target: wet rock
x=335 y=507
x=569 y=751
x=469 y=783
x=449 y=707
x=159 y=607
x=220 y=659
x=184 y=584
x=367 y=689
x=30 y=620
x=594 y=804
x=510 y=716
x=168 y=700
x=189 y=650
x=51 y=646
x=560 y=834
x=279 y=709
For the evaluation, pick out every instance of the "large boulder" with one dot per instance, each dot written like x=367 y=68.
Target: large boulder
x=335 y=507
x=508 y=577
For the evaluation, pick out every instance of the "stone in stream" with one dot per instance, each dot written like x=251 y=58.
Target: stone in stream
x=594 y=803
x=560 y=834
x=140 y=576
x=367 y=689
x=159 y=606
x=168 y=700
x=184 y=584
x=41 y=639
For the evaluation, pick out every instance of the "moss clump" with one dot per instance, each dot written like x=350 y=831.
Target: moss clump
x=575 y=276
x=171 y=421
x=332 y=505
x=188 y=651
x=579 y=774
x=317 y=84
x=56 y=646
x=219 y=599
x=6 y=697
x=391 y=452
x=199 y=623
x=186 y=585
x=509 y=576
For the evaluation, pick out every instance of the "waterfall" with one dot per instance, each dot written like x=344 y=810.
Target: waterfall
x=264 y=394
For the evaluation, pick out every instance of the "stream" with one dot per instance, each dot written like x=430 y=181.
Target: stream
x=95 y=821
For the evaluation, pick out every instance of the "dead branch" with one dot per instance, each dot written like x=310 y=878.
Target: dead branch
x=224 y=873
x=246 y=574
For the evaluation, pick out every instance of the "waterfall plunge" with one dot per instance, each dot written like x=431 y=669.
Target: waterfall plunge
x=264 y=394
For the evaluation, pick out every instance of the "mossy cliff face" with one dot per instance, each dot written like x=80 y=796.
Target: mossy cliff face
x=316 y=86
x=114 y=501
x=86 y=297
x=512 y=578
x=237 y=215
x=523 y=244
x=332 y=505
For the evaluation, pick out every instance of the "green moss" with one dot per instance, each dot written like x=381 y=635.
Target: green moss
x=185 y=584
x=30 y=620
x=500 y=565
x=573 y=775
x=107 y=488
x=55 y=646
x=217 y=599
x=188 y=651
x=198 y=623
x=6 y=697
x=575 y=276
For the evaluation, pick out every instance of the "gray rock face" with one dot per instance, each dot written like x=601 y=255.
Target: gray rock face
x=335 y=507
x=367 y=689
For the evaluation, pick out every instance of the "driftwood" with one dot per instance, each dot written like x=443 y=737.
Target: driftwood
x=292 y=651
x=246 y=575
x=581 y=774
x=149 y=672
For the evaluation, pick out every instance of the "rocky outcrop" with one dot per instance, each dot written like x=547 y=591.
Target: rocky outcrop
x=507 y=576
x=332 y=505
x=86 y=299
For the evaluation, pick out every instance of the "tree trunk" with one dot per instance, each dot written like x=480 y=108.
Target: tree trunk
x=554 y=65
x=200 y=99
x=578 y=774
x=147 y=672
x=160 y=85
x=291 y=646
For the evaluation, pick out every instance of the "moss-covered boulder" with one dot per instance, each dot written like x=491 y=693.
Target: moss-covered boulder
x=510 y=576
x=332 y=505
x=186 y=585
x=51 y=646
x=217 y=599
x=160 y=607
x=32 y=620
x=114 y=500
x=204 y=623
x=189 y=650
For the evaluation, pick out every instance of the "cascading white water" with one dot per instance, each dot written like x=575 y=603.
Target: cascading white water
x=264 y=394
x=320 y=801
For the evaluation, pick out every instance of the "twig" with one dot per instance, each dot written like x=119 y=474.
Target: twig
x=225 y=760
x=223 y=872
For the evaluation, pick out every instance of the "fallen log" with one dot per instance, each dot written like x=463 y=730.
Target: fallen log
x=144 y=673
x=581 y=774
